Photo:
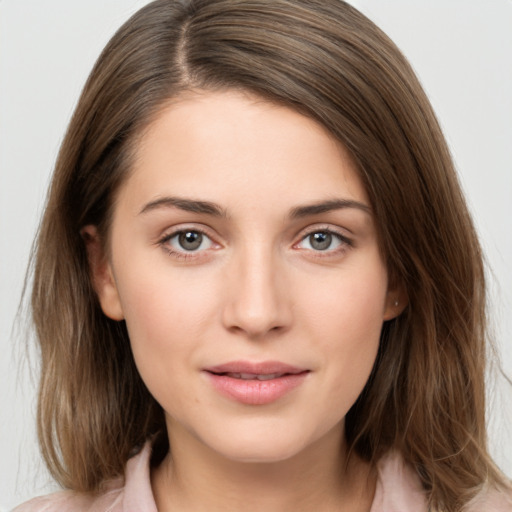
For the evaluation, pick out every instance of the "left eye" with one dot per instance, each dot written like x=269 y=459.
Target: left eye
x=321 y=241
x=189 y=241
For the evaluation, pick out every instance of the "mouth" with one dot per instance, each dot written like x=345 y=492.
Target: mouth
x=251 y=370
x=255 y=383
x=252 y=376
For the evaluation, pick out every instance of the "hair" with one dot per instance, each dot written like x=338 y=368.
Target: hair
x=425 y=396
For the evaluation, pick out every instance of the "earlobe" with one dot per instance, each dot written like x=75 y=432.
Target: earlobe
x=102 y=277
x=396 y=301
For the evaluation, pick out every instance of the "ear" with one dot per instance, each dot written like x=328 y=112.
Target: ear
x=396 y=301
x=101 y=274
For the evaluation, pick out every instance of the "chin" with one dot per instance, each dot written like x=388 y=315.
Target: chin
x=260 y=452
x=268 y=444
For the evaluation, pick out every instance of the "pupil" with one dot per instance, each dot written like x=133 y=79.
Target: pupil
x=320 y=241
x=190 y=240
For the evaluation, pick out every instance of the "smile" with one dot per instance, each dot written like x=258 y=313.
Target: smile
x=252 y=376
x=255 y=383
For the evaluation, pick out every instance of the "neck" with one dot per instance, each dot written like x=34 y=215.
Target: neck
x=320 y=479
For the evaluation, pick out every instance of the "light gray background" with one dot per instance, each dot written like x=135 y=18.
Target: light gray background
x=462 y=51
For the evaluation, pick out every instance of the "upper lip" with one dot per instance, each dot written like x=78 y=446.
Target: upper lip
x=256 y=368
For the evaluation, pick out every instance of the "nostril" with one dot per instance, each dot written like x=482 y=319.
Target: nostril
x=256 y=304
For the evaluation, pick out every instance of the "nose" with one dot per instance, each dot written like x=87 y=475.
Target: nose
x=257 y=298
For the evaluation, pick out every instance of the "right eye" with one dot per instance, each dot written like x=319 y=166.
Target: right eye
x=187 y=241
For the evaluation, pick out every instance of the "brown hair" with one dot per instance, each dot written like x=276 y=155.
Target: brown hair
x=323 y=58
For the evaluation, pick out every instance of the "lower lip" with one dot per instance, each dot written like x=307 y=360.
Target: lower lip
x=256 y=392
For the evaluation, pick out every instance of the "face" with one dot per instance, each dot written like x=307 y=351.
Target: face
x=244 y=260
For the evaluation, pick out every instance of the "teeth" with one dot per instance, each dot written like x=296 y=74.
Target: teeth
x=269 y=376
x=248 y=376
x=253 y=376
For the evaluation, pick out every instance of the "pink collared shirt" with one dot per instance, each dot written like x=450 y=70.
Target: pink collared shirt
x=398 y=490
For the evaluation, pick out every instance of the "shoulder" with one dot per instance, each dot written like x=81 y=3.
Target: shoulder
x=108 y=501
x=491 y=499
x=125 y=494
x=398 y=487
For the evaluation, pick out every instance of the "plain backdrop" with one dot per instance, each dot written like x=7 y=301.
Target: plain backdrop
x=462 y=51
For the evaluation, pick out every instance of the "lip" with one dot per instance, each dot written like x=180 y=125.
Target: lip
x=282 y=379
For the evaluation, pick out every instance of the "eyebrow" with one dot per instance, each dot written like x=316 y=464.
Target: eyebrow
x=209 y=208
x=189 y=205
x=327 y=206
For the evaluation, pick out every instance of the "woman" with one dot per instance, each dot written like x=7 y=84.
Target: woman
x=257 y=283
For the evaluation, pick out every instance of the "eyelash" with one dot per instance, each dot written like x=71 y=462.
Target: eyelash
x=182 y=255
x=344 y=243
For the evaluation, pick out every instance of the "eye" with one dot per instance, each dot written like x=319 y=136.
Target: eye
x=323 y=241
x=188 y=241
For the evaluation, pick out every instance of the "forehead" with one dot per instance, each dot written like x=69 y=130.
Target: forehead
x=228 y=145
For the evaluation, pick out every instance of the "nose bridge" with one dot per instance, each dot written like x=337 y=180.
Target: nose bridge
x=257 y=301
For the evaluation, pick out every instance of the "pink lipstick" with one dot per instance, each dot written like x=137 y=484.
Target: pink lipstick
x=255 y=383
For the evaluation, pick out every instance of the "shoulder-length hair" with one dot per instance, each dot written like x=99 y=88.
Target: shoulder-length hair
x=426 y=395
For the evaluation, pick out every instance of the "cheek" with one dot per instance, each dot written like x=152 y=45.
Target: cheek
x=159 y=301
x=350 y=304
x=166 y=314
x=346 y=322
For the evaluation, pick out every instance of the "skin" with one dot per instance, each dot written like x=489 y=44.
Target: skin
x=257 y=289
